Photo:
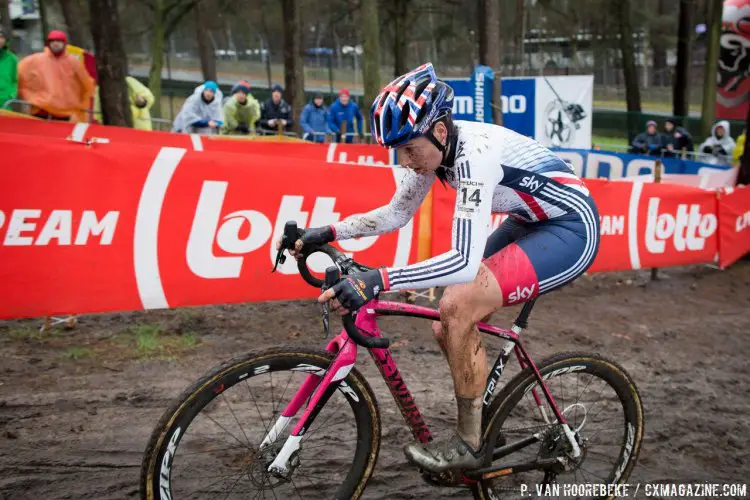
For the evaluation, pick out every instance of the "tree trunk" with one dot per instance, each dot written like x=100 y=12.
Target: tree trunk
x=659 y=48
x=294 y=77
x=400 y=40
x=520 y=35
x=681 y=90
x=157 y=58
x=111 y=62
x=708 y=110
x=44 y=21
x=75 y=23
x=6 y=20
x=370 y=51
x=205 y=47
x=632 y=90
x=489 y=54
x=744 y=175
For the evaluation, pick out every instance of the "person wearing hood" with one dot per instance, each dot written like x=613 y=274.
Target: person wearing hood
x=56 y=83
x=649 y=142
x=275 y=111
x=202 y=112
x=241 y=111
x=739 y=149
x=345 y=111
x=140 y=98
x=314 y=120
x=676 y=138
x=719 y=143
x=8 y=71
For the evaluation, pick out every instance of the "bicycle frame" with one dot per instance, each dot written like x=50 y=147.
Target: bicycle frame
x=318 y=391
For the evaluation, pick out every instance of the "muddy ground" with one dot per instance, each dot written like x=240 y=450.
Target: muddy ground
x=77 y=406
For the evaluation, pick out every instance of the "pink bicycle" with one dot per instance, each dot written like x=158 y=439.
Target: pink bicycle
x=290 y=422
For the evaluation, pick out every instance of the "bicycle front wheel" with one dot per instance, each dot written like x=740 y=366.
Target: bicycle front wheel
x=603 y=409
x=208 y=443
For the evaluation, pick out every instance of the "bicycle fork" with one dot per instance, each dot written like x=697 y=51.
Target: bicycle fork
x=318 y=387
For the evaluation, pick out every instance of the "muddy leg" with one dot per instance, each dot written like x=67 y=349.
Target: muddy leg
x=461 y=307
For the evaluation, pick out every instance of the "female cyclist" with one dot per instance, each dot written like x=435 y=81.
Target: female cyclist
x=550 y=238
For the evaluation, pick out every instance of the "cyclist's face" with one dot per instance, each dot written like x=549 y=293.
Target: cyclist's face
x=420 y=155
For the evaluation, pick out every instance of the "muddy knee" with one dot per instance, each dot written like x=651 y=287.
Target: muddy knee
x=437 y=331
x=455 y=310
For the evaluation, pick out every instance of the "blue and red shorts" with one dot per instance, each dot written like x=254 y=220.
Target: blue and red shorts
x=530 y=259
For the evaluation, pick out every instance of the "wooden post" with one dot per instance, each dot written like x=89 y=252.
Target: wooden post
x=657 y=180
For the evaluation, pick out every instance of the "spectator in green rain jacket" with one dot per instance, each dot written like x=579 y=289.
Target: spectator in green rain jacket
x=8 y=71
x=241 y=111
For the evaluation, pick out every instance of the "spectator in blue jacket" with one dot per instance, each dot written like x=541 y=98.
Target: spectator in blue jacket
x=314 y=120
x=344 y=111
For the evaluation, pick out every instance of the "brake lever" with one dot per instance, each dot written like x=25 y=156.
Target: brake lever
x=280 y=259
x=332 y=276
x=291 y=233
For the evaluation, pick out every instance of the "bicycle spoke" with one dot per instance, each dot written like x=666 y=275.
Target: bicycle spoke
x=262 y=420
x=233 y=486
x=281 y=398
x=223 y=394
x=245 y=445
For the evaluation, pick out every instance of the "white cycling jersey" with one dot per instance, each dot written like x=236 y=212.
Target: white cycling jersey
x=494 y=170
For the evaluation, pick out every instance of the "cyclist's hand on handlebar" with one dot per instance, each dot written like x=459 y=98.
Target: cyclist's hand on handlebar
x=354 y=291
x=312 y=236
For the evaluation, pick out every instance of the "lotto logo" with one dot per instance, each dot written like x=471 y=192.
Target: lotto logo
x=687 y=229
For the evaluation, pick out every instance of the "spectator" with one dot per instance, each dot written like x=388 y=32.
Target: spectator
x=8 y=71
x=676 y=138
x=56 y=83
x=739 y=148
x=314 y=120
x=275 y=111
x=648 y=142
x=141 y=99
x=201 y=113
x=341 y=116
x=719 y=144
x=241 y=111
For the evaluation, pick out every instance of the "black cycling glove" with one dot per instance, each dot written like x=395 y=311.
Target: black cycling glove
x=357 y=289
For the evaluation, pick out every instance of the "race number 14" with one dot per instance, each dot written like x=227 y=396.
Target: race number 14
x=474 y=197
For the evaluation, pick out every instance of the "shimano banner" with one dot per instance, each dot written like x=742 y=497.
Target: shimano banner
x=554 y=110
x=473 y=99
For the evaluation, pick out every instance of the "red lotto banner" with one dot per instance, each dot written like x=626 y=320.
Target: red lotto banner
x=364 y=154
x=643 y=225
x=734 y=218
x=103 y=227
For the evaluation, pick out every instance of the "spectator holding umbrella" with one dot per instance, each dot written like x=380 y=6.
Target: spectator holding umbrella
x=241 y=111
x=202 y=112
x=56 y=83
x=649 y=142
x=274 y=112
x=8 y=71
x=314 y=120
x=342 y=114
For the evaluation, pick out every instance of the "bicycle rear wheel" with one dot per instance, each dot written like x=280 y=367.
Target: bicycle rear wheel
x=603 y=409
x=208 y=443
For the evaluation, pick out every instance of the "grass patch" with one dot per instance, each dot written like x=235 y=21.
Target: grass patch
x=147 y=338
x=610 y=143
x=21 y=333
x=151 y=340
x=77 y=352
